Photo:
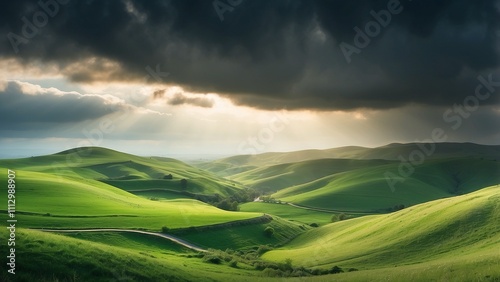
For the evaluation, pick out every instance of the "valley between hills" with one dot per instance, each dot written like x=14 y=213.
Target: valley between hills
x=342 y=214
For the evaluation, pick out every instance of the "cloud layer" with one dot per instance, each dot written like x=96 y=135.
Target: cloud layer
x=269 y=54
x=22 y=102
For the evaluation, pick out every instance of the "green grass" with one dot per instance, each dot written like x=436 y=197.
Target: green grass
x=244 y=237
x=366 y=189
x=133 y=241
x=124 y=170
x=238 y=164
x=50 y=257
x=288 y=212
x=277 y=177
x=463 y=228
x=96 y=205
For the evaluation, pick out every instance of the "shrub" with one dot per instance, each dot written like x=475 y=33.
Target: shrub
x=352 y=269
x=342 y=216
x=269 y=231
x=165 y=229
x=212 y=259
x=263 y=248
x=314 y=224
x=270 y=272
x=288 y=264
x=233 y=263
x=336 y=269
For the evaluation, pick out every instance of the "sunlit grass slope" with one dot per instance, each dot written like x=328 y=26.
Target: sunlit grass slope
x=462 y=232
x=276 y=177
x=367 y=189
x=50 y=257
x=48 y=201
x=288 y=212
x=125 y=171
x=244 y=237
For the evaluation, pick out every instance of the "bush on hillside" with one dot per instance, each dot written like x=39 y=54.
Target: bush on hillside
x=336 y=269
x=269 y=231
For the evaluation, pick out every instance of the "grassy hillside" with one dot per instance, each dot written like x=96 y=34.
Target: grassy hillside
x=366 y=189
x=461 y=230
x=50 y=257
x=45 y=200
x=288 y=212
x=125 y=171
x=244 y=237
x=238 y=164
x=277 y=177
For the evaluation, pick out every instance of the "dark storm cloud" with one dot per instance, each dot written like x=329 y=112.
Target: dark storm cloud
x=27 y=103
x=272 y=54
x=181 y=99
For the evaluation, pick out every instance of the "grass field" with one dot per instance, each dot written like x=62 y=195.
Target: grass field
x=366 y=189
x=125 y=171
x=440 y=231
x=288 y=212
x=244 y=237
x=50 y=257
x=454 y=238
x=239 y=164
x=47 y=201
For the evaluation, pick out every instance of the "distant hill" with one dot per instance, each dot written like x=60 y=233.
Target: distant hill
x=237 y=164
x=126 y=171
x=366 y=188
x=355 y=178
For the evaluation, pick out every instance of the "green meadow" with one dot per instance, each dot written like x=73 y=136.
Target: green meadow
x=440 y=224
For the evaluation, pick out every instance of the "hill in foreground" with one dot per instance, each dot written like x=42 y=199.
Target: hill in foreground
x=460 y=233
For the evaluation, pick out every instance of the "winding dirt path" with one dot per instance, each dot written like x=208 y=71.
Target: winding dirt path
x=157 y=234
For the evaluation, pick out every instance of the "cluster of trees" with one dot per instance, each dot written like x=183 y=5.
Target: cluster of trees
x=231 y=203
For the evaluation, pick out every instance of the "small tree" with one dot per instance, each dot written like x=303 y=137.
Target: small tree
x=184 y=183
x=342 y=216
x=288 y=264
x=269 y=231
x=336 y=269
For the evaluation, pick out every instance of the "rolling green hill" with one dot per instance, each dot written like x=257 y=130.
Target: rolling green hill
x=71 y=190
x=126 y=171
x=109 y=257
x=238 y=164
x=461 y=233
x=277 y=177
x=366 y=189
x=47 y=201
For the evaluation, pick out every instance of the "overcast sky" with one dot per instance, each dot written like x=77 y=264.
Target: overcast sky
x=233 y=77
